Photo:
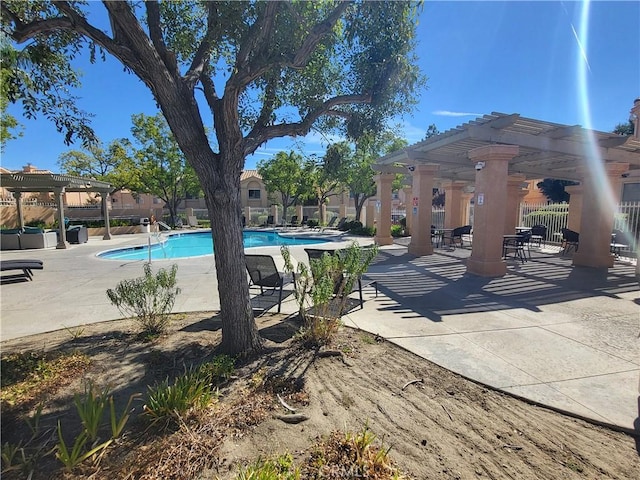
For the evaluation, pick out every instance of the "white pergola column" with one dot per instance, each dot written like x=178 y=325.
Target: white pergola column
x=62 y=228
x=490 y=209
x=600 y=198
x=383 y=208
x=419 y=207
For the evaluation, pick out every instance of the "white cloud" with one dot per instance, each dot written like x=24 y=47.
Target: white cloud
x=447 y=113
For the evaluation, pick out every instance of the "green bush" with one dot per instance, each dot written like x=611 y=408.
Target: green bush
x=322 y=289
x=397 y=231
x=312 y=223
x=279 y=468
x=189 y=392
x=149 y=298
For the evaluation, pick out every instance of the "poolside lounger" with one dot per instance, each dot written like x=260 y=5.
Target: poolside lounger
x=26 y=265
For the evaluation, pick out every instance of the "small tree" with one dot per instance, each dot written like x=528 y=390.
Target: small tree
x=283 y=174
x=160 y=166
x=149 y=298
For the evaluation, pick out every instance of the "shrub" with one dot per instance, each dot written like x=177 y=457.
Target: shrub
x=322 y=289
x=397 y=231
x=149 y=298
x=189 y=392
x=279 y=468
x=312 y=223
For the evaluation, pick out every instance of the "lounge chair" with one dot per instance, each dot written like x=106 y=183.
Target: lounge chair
x=26 y=265
x=294 y=221
x=263 y=273
x=192 y=221
x=270 y=222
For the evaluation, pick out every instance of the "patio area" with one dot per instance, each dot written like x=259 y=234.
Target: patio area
x=553 y=333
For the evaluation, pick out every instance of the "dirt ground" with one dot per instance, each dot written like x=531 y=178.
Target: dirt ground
x=437 y=424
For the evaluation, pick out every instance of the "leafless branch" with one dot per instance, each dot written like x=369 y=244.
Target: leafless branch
x=260 y=134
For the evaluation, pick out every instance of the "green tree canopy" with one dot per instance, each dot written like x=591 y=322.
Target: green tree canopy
x=113 y=164
x=160 y=167
x=282 y=174
x=624 y=128
x=258 y=70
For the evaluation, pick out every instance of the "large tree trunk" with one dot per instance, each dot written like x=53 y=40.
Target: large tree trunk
x=239 y=331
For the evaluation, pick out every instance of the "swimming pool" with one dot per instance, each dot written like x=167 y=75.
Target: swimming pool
x=197 y=244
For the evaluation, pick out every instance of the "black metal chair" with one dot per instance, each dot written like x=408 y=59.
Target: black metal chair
x=264 y=274
x=539 y=235
x=457 y=233
x=570 y=239
x=518 y=245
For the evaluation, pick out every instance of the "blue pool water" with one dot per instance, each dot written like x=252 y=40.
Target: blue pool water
x=182 y=245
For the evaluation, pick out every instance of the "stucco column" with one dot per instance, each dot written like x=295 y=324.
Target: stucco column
x=342 y=211
x=370 y=213
x=600 y=199
x=247 y=216
x=466 y=206
x=454 y=205
x=420 y=208
x=514 y=194
x=18 y=197
x=383 y=208
x=104 y=200
x=635 y=114
x=62 y=228
x=299 y=213
x=575 y=207
x=490 y=208
x=408 y=208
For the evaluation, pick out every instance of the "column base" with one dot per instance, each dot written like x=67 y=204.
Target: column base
x=384 y=240
x=420 y=250
x=107 y=236
x=487 y=268
x=588 y=260
x=61 y=245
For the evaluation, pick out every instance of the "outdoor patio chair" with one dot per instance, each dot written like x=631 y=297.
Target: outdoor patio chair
x=294 y=221
x=264 y=274
x=518 y=245
x=457 y=233
x=305 y=219
x=539 y=235
x=570 y=240
x=26 y=265
x=270 y=222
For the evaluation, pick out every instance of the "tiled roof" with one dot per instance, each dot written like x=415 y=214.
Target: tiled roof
x=246 y=174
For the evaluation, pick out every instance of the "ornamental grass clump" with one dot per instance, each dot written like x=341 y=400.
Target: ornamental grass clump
x=149 y=299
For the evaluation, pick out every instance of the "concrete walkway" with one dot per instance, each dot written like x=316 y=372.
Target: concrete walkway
x=558 y=335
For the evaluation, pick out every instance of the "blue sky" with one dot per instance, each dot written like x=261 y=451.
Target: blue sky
x=480 y=57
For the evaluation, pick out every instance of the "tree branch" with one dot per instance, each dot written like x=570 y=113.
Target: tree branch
x=259 y=33
x=209 y=89
x=260 y=134
x=155 y=33
x=317 y=32
x=201 y=58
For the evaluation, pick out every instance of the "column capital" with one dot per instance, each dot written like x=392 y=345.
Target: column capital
x=494 y=152
x=385 y=177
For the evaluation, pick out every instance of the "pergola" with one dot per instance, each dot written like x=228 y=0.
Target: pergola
x=20 y=182
x=497 y=153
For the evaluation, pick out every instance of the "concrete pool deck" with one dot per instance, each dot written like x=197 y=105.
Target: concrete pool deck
x=558 y=335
